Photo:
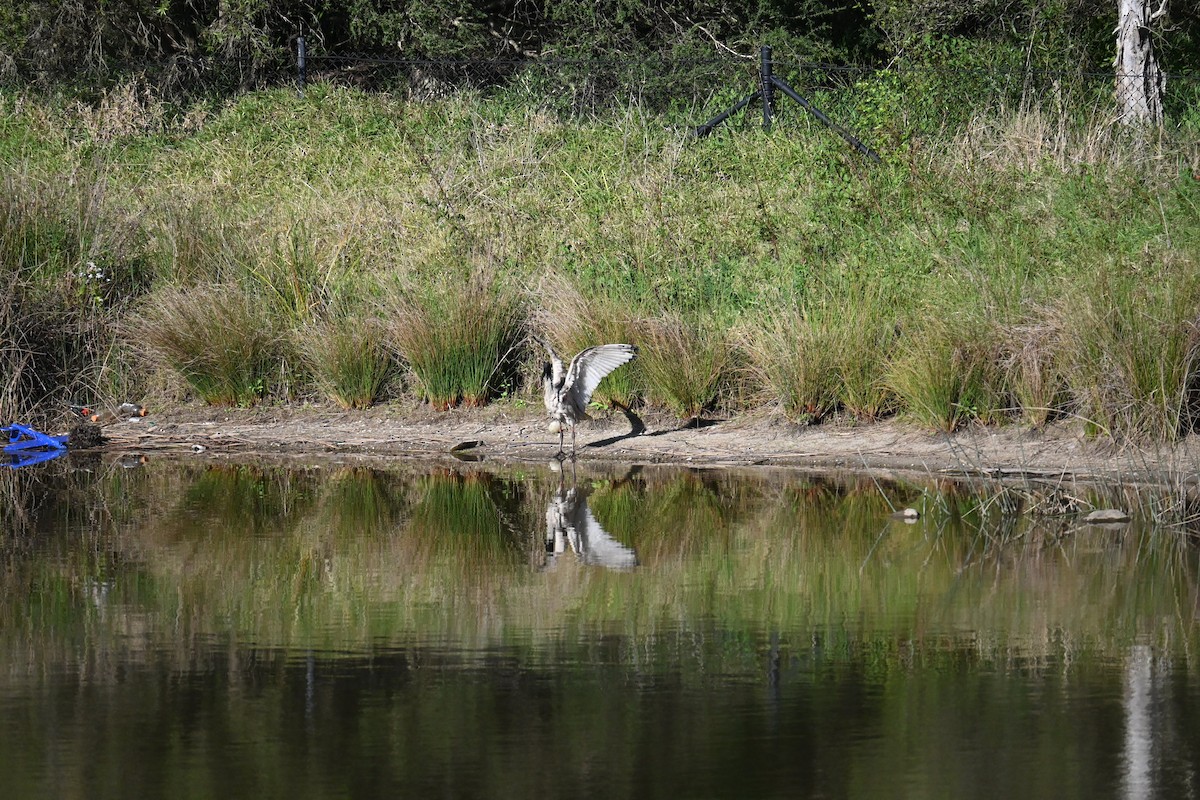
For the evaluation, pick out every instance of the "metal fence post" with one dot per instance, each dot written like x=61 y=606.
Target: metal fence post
x=767 y=78
x=301 y=52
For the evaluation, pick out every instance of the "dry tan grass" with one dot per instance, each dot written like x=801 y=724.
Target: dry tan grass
x=1028 y=359
x=130 y=108
x=1029 y=138
x=1130 y=352
x=217 y=338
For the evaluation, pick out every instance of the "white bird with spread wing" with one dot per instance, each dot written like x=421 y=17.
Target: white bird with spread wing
x=571 y=524
x=568 y=391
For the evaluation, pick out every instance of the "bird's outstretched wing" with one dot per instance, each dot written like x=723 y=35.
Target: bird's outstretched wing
x=594 y=545
x=590 y=366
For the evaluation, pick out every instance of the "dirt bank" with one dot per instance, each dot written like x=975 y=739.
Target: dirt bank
x=509 y=433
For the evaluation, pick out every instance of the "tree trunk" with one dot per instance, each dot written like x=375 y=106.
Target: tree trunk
x=1140 y=81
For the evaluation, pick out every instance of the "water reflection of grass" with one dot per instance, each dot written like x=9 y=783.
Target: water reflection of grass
x=347 y=558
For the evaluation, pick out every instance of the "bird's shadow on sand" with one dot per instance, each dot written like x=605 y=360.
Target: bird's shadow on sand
x=638 y=428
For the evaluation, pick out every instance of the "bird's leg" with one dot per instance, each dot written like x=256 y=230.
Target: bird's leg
x=561 y=456
x=572 y=443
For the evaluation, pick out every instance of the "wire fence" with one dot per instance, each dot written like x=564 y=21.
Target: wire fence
x=921 y=99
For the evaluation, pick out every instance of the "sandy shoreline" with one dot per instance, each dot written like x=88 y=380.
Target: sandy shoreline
x=504 y=433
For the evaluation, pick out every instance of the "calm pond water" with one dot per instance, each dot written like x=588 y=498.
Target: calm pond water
x=172 y=629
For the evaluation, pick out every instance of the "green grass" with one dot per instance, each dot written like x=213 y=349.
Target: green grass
x=685 y=363
x=458 y=336
x=1130 y=352
x=946 y=374
x=301 y=203
x=794 y=357
x=71 y=259
x=830 y=353
x=348 y=357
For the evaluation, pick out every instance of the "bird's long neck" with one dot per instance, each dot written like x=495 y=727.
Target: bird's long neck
x=552 y=378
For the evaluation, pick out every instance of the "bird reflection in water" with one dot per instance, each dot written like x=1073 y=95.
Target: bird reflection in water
x=570 y=525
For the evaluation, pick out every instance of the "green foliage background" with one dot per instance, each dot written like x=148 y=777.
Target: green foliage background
x=191 y=45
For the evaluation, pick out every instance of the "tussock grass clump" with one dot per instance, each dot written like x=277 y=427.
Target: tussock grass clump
x=795 y=356
x=70 y=260
x=1029 y=361
x=1130 y=351
x=684 y=363
x=347 y=356
x=870 y=335
x=946 y=373
x=216 y=338
x=572 y=321
x=293 y=274
x=458 y=338
x=825 y=355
